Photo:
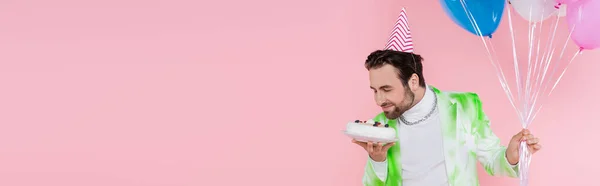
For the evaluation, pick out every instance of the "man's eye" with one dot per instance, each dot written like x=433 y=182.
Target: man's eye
x=386 y=90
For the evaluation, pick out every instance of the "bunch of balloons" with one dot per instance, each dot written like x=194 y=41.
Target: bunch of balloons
x=482 y=17
x=533 y=72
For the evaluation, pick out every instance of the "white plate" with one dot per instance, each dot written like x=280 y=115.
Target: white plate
x=367 y=139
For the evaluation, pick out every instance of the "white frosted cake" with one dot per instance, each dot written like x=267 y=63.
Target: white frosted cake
x=370 y=131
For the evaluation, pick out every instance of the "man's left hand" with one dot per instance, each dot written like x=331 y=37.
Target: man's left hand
x=512 y=151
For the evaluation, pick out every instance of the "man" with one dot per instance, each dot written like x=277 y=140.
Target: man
x=441 y=134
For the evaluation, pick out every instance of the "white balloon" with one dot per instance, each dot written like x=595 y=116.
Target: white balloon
x=534 y=10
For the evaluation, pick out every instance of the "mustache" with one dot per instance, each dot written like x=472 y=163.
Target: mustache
x=386 y=104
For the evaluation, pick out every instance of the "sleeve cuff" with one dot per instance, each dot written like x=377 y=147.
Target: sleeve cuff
x=380 y=168
x=381 y=164
x=514 y=168
x=507 y=162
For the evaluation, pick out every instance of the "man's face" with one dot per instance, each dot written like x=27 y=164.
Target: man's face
x=390 y=94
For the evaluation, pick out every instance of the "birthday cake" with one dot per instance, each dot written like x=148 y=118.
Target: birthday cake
x=372 y=131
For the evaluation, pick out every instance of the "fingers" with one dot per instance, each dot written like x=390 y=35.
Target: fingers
x=518 y=136
x=532 y=140
x=533 y=143
x=378 y=147
x=386 y=147
x=374 y=147
x=534 y=148
x=525 y=135
x=362 y=144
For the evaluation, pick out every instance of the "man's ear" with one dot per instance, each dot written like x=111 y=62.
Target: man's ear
x=413 y=82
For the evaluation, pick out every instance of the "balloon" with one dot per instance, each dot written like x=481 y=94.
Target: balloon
x=479 y=17
x=583 y=19
x=534 y=10
x=566 y=1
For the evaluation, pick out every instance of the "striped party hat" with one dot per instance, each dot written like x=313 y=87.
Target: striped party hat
x=400 y=39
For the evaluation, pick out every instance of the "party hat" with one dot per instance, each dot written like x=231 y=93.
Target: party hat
x=400 y=39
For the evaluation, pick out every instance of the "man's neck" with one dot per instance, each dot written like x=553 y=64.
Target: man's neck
x=419 y=94
x=424 y=100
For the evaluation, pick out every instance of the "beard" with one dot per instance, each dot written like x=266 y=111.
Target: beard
x=400 y=108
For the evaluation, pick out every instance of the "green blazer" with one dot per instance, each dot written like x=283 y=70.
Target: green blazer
x=467 y=137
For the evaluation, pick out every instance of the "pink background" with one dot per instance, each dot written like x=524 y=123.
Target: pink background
x=255 y=92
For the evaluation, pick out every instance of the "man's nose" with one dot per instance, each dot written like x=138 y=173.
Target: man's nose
x=379 y=99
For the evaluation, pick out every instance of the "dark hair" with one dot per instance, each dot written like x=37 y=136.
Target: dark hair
x=405 y=63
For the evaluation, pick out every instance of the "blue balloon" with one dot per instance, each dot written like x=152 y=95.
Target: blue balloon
x=480 y=17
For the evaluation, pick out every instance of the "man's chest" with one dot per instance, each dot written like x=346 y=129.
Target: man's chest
x=421 y=143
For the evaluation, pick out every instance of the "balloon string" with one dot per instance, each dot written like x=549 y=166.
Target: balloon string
x=547 y=82
x=515 y=59
x=564 y=70
x=546 y=59
x=524 y=162
x=531 y=36
x=491 y=56
x=542 y=61
x=523 y=167
x=532 y=84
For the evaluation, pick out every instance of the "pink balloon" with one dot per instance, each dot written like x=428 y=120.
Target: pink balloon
x=583 y=19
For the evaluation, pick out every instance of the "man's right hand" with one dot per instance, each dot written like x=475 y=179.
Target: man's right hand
x=377 y=151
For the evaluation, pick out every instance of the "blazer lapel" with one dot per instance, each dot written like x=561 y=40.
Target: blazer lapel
x=448 y=115
x=395 y=173
x=394 y=165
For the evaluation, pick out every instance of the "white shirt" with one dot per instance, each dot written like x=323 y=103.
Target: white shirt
x=421 y=145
